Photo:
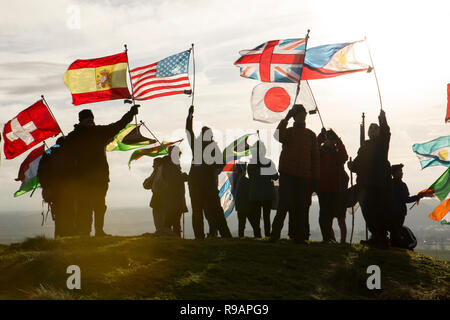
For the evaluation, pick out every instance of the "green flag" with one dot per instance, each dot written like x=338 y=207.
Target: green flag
x=440 y=188
x=129 y=138
x=156 y=151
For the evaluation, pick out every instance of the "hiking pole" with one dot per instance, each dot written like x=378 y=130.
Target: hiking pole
x=353 y=207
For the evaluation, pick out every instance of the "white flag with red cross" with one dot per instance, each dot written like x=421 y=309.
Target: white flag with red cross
x=27 y=129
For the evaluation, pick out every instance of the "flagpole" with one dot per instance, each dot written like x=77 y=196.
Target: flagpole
x=353 y=207
x=362 y=139
x=300 y=75
x=374 y=72
x=131 y=83
x=142 y=122
x=193 y=79
x=315 y=103
x=50 y=110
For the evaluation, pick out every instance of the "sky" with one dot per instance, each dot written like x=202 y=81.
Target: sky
x=408 y=41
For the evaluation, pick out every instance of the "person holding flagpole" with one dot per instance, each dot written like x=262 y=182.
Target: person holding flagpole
x=86 y=145
x=374 y=182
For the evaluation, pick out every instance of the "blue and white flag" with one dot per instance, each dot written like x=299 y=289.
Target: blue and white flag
x=433 y=153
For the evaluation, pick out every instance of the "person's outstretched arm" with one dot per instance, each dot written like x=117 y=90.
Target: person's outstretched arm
x=112 y=129
x=189 y=130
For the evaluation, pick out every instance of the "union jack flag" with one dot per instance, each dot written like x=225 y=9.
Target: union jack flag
x=274 y=61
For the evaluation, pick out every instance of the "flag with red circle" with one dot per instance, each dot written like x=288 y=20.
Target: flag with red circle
x=272 y=101
x=27 y=129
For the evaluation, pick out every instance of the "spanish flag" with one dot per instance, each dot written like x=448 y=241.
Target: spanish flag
x=98 y=79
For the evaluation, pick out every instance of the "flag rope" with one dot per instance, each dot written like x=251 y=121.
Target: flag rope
x=50 y=110
x=374 y=73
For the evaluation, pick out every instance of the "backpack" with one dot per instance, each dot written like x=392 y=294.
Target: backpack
x=406 y=238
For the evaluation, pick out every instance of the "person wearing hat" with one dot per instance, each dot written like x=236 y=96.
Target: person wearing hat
x=299 y=168
x=400 y=198
x=86 y=145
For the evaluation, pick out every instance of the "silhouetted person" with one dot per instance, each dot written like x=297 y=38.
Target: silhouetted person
x=174 y=197
x=332 y=184
x=400 y=198
x=87 y=145
x=244 y=207
x=299 y=173
x=374 y=180
x=57 y=181
x=261 y=173
x=203 y=182
x=156 y=202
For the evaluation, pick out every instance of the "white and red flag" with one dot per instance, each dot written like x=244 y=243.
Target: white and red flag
x=272 y=101
x=27 y=129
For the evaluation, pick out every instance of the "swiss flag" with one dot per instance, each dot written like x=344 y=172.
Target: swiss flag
x=27 y=129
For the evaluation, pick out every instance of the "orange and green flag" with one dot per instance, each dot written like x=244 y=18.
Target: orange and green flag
x=440 y=213
x=100 y=79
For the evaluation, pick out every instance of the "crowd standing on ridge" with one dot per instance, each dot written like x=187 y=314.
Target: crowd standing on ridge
x=75 y=176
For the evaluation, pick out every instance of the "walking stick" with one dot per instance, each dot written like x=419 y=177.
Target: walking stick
x=353 y=208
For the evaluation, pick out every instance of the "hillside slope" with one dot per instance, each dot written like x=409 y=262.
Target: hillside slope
x=147 y=267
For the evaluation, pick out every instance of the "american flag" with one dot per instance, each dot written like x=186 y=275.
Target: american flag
x=274 y=61
x=163 y=78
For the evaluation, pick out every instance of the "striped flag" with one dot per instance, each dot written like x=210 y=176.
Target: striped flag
x=28 y=171
x=163 y=78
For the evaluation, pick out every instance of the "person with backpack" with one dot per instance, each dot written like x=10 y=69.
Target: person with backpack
x=400 y=198
x=332 y=184
x=57 y=181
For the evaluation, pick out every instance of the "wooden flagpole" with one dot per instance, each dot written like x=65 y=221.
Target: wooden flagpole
x=374 y=72
x=353 y=208
x=315 y=103
x=50 y=110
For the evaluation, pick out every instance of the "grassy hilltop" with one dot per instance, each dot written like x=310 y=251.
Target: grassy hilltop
x=148 y=267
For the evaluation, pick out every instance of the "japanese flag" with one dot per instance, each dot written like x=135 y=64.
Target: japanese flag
x=272 y=101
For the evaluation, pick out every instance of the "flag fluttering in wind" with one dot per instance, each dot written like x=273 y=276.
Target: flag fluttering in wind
x=433 y=153
x=272 y=101
x=27 y=129
x=237 y=149
x=129 y=138
x=447 y=117
x=163 y=78
x=440 y=213
x=159 y=150
x=99 y=79
x=234 y=151
x=28 y=171
x=274 y=61
x=331 y=60
x=440 y=188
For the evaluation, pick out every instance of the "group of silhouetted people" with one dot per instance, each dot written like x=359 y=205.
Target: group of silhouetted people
x=308 y=164
x=74 y=176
